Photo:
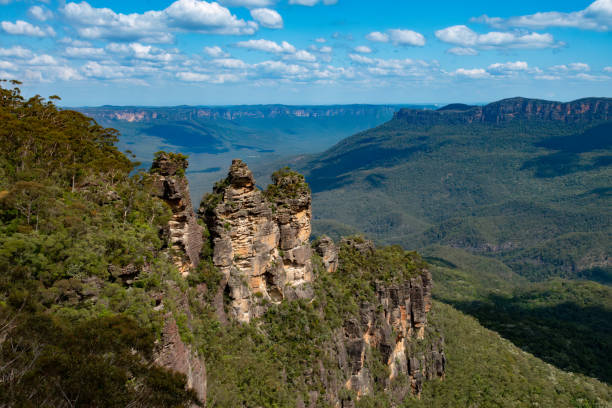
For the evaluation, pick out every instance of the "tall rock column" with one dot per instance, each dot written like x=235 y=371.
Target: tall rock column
x=260 y=239
x=185 y=234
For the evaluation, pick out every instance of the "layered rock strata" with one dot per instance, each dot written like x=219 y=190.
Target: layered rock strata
x=260 y=241
x=174 y=354
x=393 y=328
x=184 y=233
x=326 y=249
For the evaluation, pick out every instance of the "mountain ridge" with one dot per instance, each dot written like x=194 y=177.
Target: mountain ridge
x=590 y=108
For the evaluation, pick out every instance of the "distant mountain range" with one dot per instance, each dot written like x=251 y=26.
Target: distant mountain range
x=523 y=180
x=213 y=136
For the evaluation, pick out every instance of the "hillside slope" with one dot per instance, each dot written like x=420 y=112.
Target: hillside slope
x=525 y=181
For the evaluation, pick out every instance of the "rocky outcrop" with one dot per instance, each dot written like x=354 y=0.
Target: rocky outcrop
x=184 y=233
x=507 y=110
x=394 y=328
x=260 y=240
x=326 y=249
x=172 y=353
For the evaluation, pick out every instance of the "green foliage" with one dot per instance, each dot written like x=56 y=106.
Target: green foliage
x=75 y=228
x=485 y=370
x=179 y=159
x=286 y=183
x=50 y=361
x=494 y=190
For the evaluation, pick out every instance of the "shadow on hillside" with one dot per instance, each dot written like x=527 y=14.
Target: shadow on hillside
x=571 y=337
x=566 y=159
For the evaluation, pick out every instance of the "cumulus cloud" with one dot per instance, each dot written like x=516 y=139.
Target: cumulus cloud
x=377 y=36
x=140 y=51
x=597 y=16
x=320 y=40
x=302 y=55
x=398 y=37
x=40 y=13
x=267 y=46
x=325 y=49
x=230 y=63
x=506 y=68
x=363 y=49
x=155 y=26
x=607 y=69
x=406 y=37
x=215 y=51
x=465 y=37
x=312 y=2
x=393 y=67
x=571 y=67
x=21 y=27
x=475 y=73
x=84 y=52
x=15 y=51
x=247 y=3
x=462 y=51
x=267 y=17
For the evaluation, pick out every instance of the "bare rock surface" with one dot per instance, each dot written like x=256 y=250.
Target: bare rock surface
x=184 y=232
x=260 y=241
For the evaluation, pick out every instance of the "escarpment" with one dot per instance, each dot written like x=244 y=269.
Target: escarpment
x=512 y=109
x=260 y=239
x=391 y=328
x=261 y=250
x=184 y=232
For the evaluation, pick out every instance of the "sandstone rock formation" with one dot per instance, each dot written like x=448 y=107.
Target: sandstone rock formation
x=185 y=234
x=326 y=249
x=175 y=355
x=579 y=111
x=260 y=240
x=395 y=326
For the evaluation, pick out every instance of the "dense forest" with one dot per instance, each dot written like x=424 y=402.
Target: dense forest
x=87 y=279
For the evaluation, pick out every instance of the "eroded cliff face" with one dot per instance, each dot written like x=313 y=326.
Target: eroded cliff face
x=260 y=241
x=174 y=354
x=580 y=111
x=395 y=329
x=184 y=233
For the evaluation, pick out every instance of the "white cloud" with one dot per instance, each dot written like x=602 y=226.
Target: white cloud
x=475 y=73
x=406 y=37
x=548 y=77
x=247 y=3
x=574 y=66
x=155 y=26
x=141 y=51
x=465 y=37
x=462 y=51
x=607 y=69
x=363 y=49
x=84 y=52
x=40 y=13
x=215 y=51
x=398 y=37
x=377 y=36
x=302 y=55
x=15 y=51
x=325 y=49
x=597 y=16
x=508 y=68
x=21 y=27
x=312 y=2
x=7 y=65
x=320 y=40
x=267 y=46
x=589 y=77
x=267 y=18
x=230 y=63
x=393 y=67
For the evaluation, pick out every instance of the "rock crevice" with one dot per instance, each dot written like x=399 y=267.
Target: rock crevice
x=260 y=239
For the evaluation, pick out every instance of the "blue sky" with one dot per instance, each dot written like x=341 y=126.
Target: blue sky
x=306 y=51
